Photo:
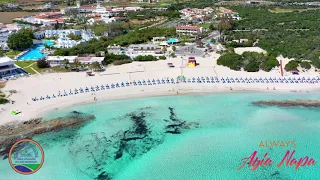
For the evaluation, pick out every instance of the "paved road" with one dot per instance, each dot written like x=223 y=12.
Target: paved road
x=192 y=50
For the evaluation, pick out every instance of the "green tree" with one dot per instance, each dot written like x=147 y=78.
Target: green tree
x=66 y=63
x=19 y=41
x=43 y=64
x=74 y=37
x=270 y=63
x=292 y=65
x=76 y=63
x=164 y=49
x=231 y=60
x=305 y=65
x=224 y=26
x=95 y=66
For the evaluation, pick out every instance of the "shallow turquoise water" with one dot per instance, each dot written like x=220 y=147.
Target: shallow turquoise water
x=218 y=131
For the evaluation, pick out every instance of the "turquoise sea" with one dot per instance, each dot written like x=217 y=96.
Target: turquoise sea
x=202 y=137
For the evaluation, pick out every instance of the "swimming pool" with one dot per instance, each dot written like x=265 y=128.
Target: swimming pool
x=35 y=52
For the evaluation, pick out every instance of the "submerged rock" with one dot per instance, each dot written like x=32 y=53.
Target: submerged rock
x=11 y=133
x=287 y=103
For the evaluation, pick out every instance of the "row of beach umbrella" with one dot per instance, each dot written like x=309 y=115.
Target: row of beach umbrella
x=183 y=80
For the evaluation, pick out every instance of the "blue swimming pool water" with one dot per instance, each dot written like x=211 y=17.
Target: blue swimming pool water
x=35 y=52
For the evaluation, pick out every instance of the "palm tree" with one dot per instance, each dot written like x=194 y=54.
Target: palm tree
x=95 y=66
x=76 y=63
x=224 y=26
x=66 y=63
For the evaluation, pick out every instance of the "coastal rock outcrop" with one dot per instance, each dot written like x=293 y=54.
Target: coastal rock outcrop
x=11 y=133
x=287 y=103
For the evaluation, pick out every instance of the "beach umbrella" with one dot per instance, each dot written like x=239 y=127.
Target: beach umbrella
x=172 y=80
x=149 y=82
x=163 y=81
x=207 y=78
x=144 y=82
x=107 y=86
x=168 y=81
x=102 y=87
x=122 y=84
x=134 y=83
x=139 y=83
x=65 y=93
x=92 y=88
x=48 y=97
x=97 y=88
x=127 y=83
x=154 y=82
x=112 y=85
x=158 y=81
x=189 y=80
x=117 y=85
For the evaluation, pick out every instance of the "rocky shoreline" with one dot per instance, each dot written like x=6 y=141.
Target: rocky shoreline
x=287 y=103
x=11 y=133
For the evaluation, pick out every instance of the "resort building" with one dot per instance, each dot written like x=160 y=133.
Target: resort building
x=65 y=42
x=61 y=33
x=60 y=60
x=4 y=34
x=144 y=49
x=87 y=9
x=191 y=31
x=8 y=69
x=158 y=40
x=39 y=35
x=116 y=50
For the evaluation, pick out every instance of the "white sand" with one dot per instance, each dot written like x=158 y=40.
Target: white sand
x=42 y=85
x=241 y=50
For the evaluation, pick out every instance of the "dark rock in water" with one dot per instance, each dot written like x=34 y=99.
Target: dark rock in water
x=173 y=116
x=275 y=173
x=176 y=131
x=11 y=133
x=286 y=103
x=103 y=176
x=77 y=112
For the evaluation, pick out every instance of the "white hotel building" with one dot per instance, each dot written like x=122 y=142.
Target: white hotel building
x=8 y=69
x=191 y=31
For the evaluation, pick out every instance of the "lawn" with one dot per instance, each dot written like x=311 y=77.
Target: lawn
x=27 y=65
x=12 y=54
x=205 y=25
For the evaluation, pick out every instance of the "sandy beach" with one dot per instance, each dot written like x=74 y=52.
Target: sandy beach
x=49 y=84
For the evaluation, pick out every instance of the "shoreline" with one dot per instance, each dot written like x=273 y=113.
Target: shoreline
x=52 y=83
x=41 y=110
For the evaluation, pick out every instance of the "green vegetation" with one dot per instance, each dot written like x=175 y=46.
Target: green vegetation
x=145 y=58
x=113 y=29
x=116 y=59
x=293 y=34
x=162 y=58
x=249 y=61
x=305 y=65
x=42 y=64
x=231 y=60
x=12 y=54
x=21 y=40
x=74 y=37
x=292 y=65
x=150 y=14
x=28 y=65
x=3 y=100
x=132 y=37
x=2 y=52
x=120 y=62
